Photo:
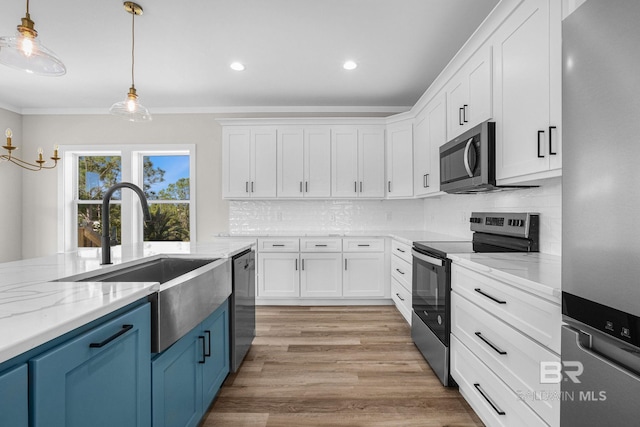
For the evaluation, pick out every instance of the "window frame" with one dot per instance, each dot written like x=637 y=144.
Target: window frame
x=131 y=171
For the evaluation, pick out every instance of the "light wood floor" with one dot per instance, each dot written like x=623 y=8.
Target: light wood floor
x=335 y=366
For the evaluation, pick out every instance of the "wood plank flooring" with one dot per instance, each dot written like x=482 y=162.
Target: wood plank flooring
x=335 y=366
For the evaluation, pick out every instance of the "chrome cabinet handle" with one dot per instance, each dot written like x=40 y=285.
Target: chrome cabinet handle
x=551 y=152
x=400 y=250
x=301 y=186
x=399 y=297
x=540 y=132
x=486 y=397
x=302 y=264
x=460 y=116
x=355 y=186
x=399 y=271
x=345 y=264
x=466 y=157
x=361 y=186
x=490 y=344
x=478 y=290
x=464 y=113
x=363 y=246
x=321 y=246
x=296 y=264
x=252 y=187
x=389 y=186
x=122 y=331
x=246 y=186
x=306 y=186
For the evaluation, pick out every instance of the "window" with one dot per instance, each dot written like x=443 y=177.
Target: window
x=166 y=177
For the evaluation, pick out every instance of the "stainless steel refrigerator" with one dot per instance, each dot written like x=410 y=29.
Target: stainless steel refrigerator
x=600 y=380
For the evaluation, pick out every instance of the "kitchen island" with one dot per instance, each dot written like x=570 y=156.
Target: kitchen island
x=76 y=349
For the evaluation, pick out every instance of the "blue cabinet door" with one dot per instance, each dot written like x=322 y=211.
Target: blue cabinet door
x=177 y=382
x=216 y=366
x=14 y=397
x=100 y=378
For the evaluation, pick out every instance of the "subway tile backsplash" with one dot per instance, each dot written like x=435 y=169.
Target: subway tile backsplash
x=324 y=216
x=446 y=214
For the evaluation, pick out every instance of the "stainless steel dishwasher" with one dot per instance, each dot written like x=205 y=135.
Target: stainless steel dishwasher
x=243 y=307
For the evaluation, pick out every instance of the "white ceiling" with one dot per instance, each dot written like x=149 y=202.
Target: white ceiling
x=293 y=51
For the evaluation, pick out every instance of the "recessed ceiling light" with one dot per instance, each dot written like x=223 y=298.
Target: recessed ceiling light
x=237 y=66
x=350 y=65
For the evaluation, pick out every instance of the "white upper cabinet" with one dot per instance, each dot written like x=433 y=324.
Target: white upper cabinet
x=304 y=163
x=528 y=78
x=357 y=162
x=469 y=97
x=429 y=133
x=317 y=162
x=400 y=159
x=248 y=162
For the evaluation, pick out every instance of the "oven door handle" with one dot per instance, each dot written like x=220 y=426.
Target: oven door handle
x=427 y=258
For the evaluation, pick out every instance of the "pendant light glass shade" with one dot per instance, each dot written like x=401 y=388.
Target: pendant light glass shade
x=131 y=108
x=24 y=51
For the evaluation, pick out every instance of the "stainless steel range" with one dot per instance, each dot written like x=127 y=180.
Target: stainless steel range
x=430 y=327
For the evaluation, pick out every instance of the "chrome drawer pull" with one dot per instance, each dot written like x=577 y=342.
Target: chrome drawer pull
x=277 y=246
x=478 y=290
x=321 y=246
x=490 y=344
x=124 y=329
x=364 y=246
x=398 y=295
x=495 y=408
x=400 y=250
x=401 y=272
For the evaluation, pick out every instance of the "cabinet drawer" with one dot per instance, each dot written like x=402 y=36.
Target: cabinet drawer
x=352 y=244
x=401 y=250
x=402 y=299
x=492 y=400
x=278 y=245
x=509 y=354
x=320 y=244
x=534 y=316
x=401 y=271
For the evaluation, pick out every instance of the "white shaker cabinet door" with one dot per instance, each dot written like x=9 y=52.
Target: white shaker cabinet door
x=363 y=275
x=320 y=275
x=291 y=161
x=371 y=163
x=400 y=160
x=236 y=162
x=278 y=275
x=317 y=163
x=263 y=162
x=344 y=162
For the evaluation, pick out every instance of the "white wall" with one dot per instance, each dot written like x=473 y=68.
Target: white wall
x=11 y=191
x=450 y=213
x=324 y=216
x=40 y=226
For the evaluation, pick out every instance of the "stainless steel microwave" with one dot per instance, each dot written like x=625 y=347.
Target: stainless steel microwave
x=467 y=163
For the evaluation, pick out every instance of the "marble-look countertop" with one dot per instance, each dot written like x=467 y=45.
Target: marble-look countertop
x=405 y=236
x=36 y=308
x=537 y=273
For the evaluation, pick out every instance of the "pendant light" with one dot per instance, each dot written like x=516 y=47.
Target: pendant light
x=24 y=51
x=130 y=108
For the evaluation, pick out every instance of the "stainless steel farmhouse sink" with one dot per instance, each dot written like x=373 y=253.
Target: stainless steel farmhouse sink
x=190 y=289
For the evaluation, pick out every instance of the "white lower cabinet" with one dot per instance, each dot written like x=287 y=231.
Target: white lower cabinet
x=490 y=398
x=401 y=278
x=322 y=267
x=320 y=275
x=279 y=275
x=363 y=275
x=500 y=336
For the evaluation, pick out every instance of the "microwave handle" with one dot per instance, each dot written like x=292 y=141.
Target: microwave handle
x=466 y=158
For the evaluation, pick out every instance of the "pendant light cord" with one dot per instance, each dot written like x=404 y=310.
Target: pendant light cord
x=27 y=7
x=133 y=44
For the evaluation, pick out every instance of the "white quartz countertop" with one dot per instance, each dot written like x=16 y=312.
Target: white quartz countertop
x=405 y=236
x=35 y=308
x=537 y=273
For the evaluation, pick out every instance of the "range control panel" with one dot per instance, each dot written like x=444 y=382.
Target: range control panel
x=518 y=224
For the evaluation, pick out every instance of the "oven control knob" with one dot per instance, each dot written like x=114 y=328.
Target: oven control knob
x=439 y=320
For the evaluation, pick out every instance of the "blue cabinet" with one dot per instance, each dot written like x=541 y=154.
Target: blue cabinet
x=187 y=376
x=99 y=378
x=14 y=396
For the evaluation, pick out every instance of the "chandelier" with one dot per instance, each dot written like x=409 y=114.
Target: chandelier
x=37 y=165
